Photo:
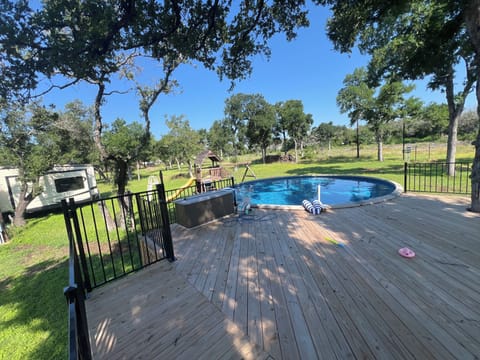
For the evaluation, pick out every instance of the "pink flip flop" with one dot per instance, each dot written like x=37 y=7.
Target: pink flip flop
x=406 y=252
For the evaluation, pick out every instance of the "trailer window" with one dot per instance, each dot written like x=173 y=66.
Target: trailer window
x=69 y=184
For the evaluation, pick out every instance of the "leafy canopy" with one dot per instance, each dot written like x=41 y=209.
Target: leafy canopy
x=91 y=40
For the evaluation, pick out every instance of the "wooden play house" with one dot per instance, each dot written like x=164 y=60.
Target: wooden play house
x=206 y=177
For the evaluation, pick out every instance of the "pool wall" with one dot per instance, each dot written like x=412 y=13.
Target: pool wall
x=397 y=190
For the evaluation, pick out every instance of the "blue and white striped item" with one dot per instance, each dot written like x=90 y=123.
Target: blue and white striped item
x=317 y=207
x=308 y=206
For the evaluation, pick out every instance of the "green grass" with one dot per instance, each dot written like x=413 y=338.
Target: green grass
x=33 y=270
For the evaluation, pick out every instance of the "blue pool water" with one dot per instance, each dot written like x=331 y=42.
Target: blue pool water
x=334 y=190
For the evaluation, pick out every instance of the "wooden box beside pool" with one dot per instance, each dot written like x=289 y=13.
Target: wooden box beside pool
x=202 y=208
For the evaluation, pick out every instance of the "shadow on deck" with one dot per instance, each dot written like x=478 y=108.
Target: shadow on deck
x=155 y=313
x=277 y=285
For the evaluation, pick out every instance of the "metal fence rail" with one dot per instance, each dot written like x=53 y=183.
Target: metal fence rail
x=434 y=177
x=78 y=337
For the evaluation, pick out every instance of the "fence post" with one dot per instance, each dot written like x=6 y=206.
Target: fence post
x=78 y=336
x=405 y=170
x=167 y=234
x=81 y=251
x=160 y=173
x=79 y=339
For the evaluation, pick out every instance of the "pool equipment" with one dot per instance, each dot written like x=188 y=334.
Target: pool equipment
x=244 y=207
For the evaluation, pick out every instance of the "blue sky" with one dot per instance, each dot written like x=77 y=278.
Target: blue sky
x=307 y=69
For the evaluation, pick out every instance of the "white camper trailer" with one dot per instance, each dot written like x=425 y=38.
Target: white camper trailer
x=62 y=182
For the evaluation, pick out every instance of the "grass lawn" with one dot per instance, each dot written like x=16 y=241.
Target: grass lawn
x=33 y=271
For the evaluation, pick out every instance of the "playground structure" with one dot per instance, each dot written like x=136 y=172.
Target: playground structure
x=206 y=177
x=181 y=190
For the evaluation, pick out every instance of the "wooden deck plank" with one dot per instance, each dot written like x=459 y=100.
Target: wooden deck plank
x=357 y=288
x=271 y=342
x=240 y=316
x=156 y=313
x=230 y=302
x=276 y=270
x=286 y=292
x=382 y=304
x=325 y=335
x=293 y=284
x=406 y=281
x=219 y=287
x=436 y=302
x=254 y=315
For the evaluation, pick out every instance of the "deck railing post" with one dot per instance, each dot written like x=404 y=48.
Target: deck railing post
x=81 y=251
x=160 y=173
x=167 y=234
x=79 y=339
x=78 y=336
x=405 y=171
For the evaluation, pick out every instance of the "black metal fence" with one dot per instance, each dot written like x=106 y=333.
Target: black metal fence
x=438 y=177
x=193 y=189
x=113 y=237
x=108 y=239
x=121 y=234
x=78 y=337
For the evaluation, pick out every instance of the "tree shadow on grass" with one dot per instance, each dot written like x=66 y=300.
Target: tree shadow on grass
x=35 y=326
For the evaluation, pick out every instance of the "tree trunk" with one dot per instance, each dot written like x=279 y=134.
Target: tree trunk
x=106 y=215
x=122 y=168
x=296 y=150
x=190 y=169
x=358 y=141
x=3 y=232
x=472 y=20
x=455 y=109
x=264 y=154
x=24 y=199
x=379 y=150
x=97 y=134
x=452 y=144
x=475 y=197
x=379 y=138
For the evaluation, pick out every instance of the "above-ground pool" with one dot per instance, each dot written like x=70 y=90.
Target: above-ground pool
x=335 y=191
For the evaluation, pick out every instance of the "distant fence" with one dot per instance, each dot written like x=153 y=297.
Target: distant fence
x=434 y=177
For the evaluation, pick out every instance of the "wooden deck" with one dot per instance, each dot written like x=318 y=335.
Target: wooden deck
x=282 y=280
